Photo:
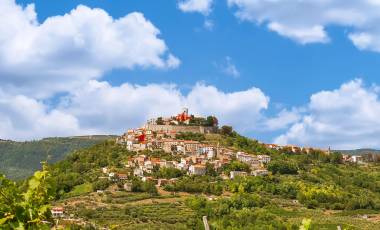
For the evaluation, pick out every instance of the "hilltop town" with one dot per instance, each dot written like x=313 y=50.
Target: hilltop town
x=171 y=159
x=165 y=134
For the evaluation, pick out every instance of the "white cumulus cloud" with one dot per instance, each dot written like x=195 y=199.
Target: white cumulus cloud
x=306 y=21
x=65 y=51
x=115 y=108
x=23 y=118
x=100 y=108
x=241 y=109
x=345 y=118
x=199 y=6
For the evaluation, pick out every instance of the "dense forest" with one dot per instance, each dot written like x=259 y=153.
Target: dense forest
x=19 y=160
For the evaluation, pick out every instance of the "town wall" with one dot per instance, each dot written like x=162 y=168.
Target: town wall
x=181 y=128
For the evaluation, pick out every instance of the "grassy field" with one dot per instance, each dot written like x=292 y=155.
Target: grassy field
x=80 y=190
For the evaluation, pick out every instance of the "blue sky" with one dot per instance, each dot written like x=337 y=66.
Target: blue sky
x=288 y=72
x=285 y=65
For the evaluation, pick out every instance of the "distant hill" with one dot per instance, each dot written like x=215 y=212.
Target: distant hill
x=360 y=151
x=19 y=160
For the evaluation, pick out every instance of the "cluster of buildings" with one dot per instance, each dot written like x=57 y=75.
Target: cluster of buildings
x=353 y=158
x=194 y=154
x=161 y=134
x=296 y=149
x=194 y=164
x=181 y=118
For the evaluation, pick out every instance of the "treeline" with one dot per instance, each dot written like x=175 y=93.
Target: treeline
x=338 y=187
x=196 y=184
x=19 y=160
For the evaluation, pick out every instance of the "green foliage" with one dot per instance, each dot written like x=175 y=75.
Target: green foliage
x=306 y=224
x=190 y=136
x=226 y=130
x=26 y=209
x=130 y=215
x=19 y=160
x=140 y=186
x=84 y=166
x=101 y=184
x=209 y=121
x=253 y=184
x=236 y=166
x=196 y=184
x=168 y=173
x=305 y=182
x=283 y=167
x=80 y=190
x=240 y=143
x=210 y=170
x=160 y=121
x=241 y=211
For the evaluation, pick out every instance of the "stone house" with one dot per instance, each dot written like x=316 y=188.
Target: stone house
x=197 y=170
x=234 y=174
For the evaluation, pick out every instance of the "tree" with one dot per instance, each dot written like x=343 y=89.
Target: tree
x=29 y=209
x=150 y=188
x=283 y=167
x=160 y=121
x=226 y=130
x=336 y=158
x=236 y=166
x=211 y=121
x=168 y=173
x=100 y=184
x=210 y=171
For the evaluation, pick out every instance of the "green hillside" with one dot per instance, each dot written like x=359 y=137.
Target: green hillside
x=19 y=160
x=360 y=151
x=314 y=186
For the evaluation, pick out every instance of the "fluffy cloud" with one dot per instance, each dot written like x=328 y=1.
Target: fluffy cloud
x=98 y=108
x=242 y=109
x=114 y=109
x=305 y=21
x=26 y=118
x=282 y=120
x=199 y=6
x=66 y=51
x=344 y=118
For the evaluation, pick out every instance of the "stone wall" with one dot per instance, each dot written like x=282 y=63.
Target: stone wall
x=181 y=128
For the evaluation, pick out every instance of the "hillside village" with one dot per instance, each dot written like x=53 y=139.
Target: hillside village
x=161 y=133
x=179 y=137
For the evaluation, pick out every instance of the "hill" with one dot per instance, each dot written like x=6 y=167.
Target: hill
x=315 y=185
x=102 y=186
x=360 y=151
x=19 y=160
